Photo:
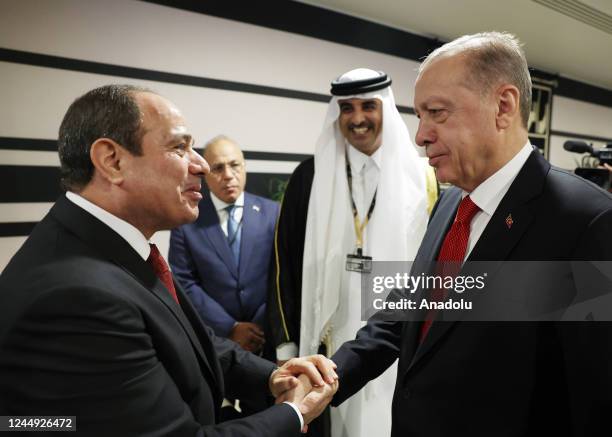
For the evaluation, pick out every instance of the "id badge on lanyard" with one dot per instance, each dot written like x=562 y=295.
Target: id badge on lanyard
x=358 y=262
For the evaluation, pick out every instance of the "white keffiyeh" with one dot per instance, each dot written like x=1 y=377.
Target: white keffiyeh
x=395 y=230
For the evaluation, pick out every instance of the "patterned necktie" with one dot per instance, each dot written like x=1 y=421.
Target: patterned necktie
x=161 y=269
x=233 y=233
x=452 y=253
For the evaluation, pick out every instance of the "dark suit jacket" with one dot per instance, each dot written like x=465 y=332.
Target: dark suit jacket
x=87 y=330
x=201 y=259
x=502 y=379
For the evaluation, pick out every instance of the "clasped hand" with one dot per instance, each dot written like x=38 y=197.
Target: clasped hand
x=308 y=382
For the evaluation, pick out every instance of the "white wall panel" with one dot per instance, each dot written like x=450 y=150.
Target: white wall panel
x=574 y=116
x=8 y=247
x=150 y=36
x=40 y=96
x=23 y=212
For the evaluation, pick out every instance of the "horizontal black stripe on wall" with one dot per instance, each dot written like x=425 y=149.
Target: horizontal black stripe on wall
x=12 y=143
x=62 y=63
x=20 y=183
x=580 y=136
x=31 y=144
x=70 y=64
x=303 y=19
x=275 y=156
x=16 y=229
x=316 y=22
x=270 y=185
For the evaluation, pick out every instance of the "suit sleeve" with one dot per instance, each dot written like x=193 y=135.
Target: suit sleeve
x=374 y=349
x=285 y=291
x=245 y=374
x=184 y=269
x=118 y=387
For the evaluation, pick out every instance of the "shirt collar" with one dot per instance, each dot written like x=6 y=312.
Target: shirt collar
x=358 y=159
x=488 y=195
x=129 y=233
x=221 y=205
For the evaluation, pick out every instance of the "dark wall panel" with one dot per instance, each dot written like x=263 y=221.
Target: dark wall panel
x=29 y=183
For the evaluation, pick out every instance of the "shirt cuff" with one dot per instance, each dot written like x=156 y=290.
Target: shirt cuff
x=286 y=351
x=297 y=411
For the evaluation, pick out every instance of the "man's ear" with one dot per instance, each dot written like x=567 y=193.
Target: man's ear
x=107 y=157
x=507 y=106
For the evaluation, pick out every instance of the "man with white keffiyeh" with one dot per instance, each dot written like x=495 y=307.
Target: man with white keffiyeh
x=363 y=196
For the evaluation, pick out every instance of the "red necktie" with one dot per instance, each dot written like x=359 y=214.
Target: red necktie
x=452 y=253
x=161 y=269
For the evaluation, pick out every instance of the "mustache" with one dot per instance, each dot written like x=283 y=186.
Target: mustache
x=363 y=124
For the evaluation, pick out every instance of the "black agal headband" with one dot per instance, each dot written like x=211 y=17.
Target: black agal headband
x=341 y=87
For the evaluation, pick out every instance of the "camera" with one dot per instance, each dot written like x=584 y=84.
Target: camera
x=588 y=170
x=605 y=155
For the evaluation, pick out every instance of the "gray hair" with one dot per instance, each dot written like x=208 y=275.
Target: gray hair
x=218 y=139
x=491 y=58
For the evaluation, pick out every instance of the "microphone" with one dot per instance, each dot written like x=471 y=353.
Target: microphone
x=604 y=155
x=578 y=147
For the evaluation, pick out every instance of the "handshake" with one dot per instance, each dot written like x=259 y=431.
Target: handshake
x=309 y=383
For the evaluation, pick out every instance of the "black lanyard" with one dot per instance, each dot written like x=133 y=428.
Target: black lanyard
x=359 y=226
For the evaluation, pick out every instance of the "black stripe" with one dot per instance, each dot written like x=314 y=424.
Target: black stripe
x=303 y=19
x=585 y=92
x=40 y=60
x=340 y=28
x=62 y=63
x=275 y=156
x=270 y=185
x=28 y=144
x=20 y=183
x=580 y=136
x=31 y=144
x=405 y=109
x=16 y=229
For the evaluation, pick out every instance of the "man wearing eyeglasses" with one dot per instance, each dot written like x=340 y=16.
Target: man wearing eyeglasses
x=222 y=259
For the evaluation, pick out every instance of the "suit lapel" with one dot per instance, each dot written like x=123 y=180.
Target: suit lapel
x=251 y=222
x=208 y=223
x=427 y=254
x=503 y=232
x=513 y=215
x=113 y=247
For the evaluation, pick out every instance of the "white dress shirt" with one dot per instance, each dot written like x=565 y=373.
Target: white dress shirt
x=490 y=193
x=128 y=232
x=222 y=213
x=365 y=171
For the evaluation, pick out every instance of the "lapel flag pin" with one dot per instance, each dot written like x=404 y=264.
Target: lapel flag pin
x=509 y=221
x=256 y=208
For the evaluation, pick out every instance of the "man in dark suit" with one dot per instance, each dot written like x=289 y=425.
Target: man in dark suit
x=222 y=259
x=92 y=324
x=468 y=378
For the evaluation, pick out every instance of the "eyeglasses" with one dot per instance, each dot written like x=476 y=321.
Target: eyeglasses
x=219 y=169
